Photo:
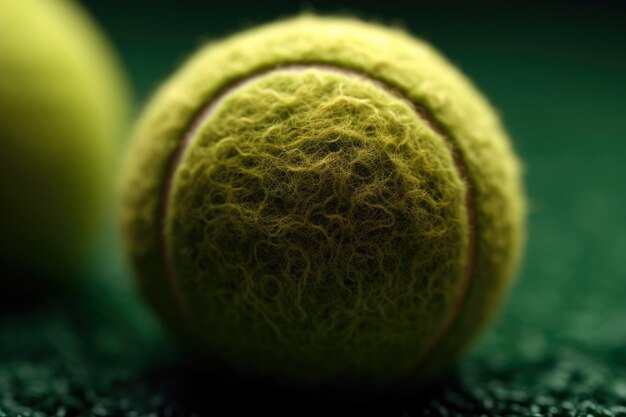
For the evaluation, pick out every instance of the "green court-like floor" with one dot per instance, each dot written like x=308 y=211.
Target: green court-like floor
x=557 y=76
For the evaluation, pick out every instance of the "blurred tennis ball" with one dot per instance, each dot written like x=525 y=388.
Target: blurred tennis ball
x=63 y=108
x=323 y=201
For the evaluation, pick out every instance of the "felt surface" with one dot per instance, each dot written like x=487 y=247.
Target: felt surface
x=330 y=224
x=558 y=349
x=399 y=259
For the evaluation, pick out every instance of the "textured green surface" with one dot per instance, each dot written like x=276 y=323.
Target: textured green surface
x=345 y=247
x=557 y=76
x=410 y=267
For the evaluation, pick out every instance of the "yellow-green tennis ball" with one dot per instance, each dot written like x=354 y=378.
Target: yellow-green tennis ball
x=63 y=105
x=323 y=201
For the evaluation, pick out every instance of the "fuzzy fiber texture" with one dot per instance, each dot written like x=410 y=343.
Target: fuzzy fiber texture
x=323 y=200
x=63 y=107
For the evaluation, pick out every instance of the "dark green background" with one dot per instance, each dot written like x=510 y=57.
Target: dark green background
x=557 y=74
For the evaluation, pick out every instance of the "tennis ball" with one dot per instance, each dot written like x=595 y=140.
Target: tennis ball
x=63 y=104
x=323 y=201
